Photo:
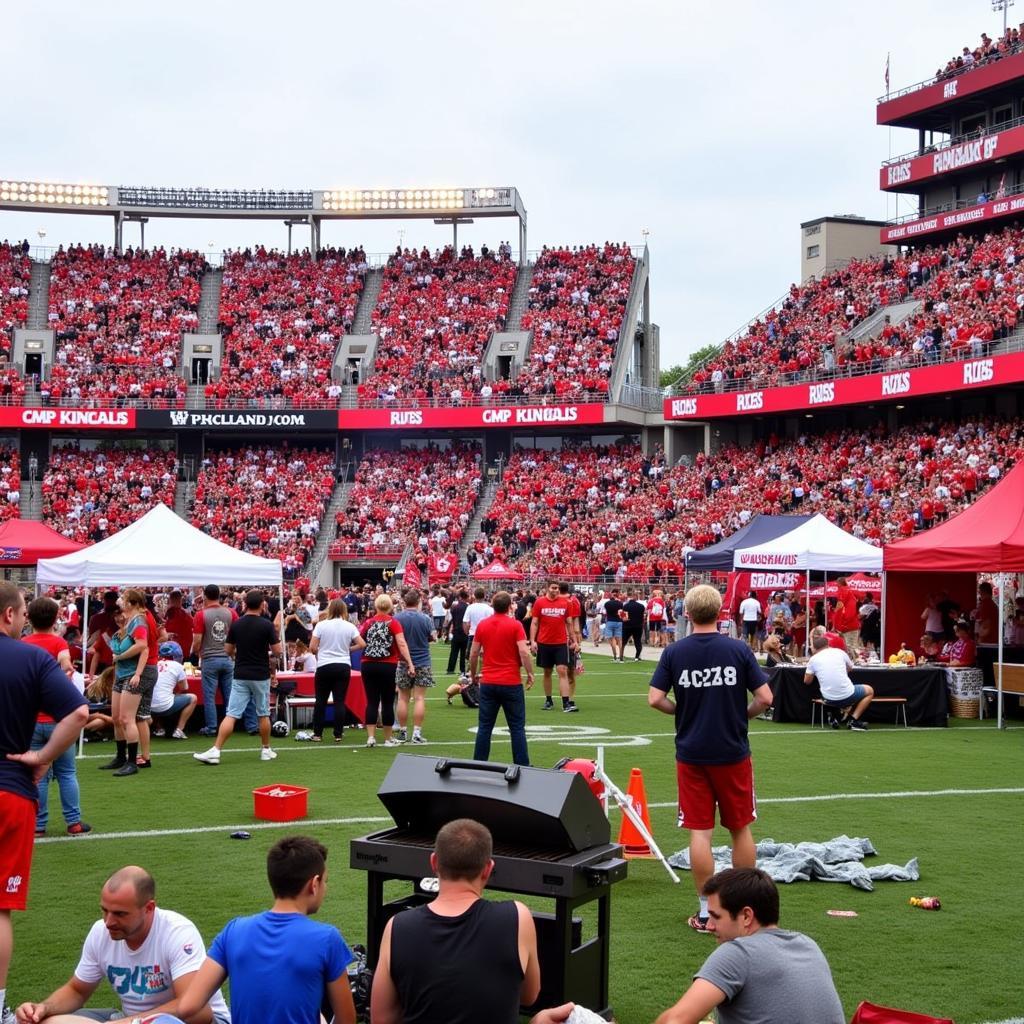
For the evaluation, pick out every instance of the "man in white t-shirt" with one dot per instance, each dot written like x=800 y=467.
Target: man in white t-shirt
x=478 y=610
x=831 y=666
x=438 y=607
x=171 y=695
x=148 y=954
x=750 y=614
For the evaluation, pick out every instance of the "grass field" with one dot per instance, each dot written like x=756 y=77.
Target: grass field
x=954 y=798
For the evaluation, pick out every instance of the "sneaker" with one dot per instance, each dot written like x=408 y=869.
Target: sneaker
x=400 y=735
x=118 y=762
x=211 y=756
x=392 y=742
x=857 y=725
x=418 y=737
x=179 y=734
x=40 y=832
x=638 y=659
x=570 y=707
x=371 y=741
x=78 y=829
x=157 y=732
x=548 y=704
x=698 y=924
x=127 y=769
x=7 y=1016
x=266 y=754
x=207 y=731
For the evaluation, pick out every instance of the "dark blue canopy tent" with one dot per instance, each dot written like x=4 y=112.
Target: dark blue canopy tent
x=759 y=530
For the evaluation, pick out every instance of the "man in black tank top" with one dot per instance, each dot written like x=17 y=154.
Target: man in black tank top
x=460 y=959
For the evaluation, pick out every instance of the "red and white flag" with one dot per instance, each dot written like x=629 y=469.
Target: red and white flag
x=412 y=576
x=887 y=74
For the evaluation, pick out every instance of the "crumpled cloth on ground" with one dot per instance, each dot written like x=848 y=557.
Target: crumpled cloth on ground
x=838 y=860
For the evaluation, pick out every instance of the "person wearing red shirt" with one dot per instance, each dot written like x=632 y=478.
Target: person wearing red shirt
x=656 y=619
x=550 y=641
x=575 y=633
x=178 y=622
x=502 y=640
x=846 y=619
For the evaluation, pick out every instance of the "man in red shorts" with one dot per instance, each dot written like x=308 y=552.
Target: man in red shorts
x=33 y=682
x=709 y=675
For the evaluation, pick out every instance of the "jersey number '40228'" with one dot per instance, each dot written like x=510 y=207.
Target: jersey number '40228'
x=715 y=676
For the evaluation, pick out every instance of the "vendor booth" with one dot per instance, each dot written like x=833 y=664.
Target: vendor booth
x=24 y=542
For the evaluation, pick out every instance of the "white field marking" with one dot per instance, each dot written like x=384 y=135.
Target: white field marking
x=636 y=739
x=249 y=826
x=1009 y=1020
x=894 y=795
x=590 y=696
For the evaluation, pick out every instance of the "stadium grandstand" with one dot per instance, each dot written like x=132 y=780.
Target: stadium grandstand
x=349 y=412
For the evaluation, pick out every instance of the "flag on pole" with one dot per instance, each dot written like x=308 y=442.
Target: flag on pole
x=412 y=576
x=887 y=74
x=1001 y=191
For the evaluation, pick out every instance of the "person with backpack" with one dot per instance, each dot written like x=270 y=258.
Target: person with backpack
x=385 y=643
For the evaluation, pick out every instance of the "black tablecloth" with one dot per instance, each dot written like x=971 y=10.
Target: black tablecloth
x=988 y=654
x=924 y=688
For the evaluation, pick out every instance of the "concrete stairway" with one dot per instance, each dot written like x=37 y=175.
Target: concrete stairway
x=520 y=297
x=39 y=297
x=318 y=558
x=184 y=493
x=31 y=505
x=482 y=508
x=209 y=301
x=368 y=301
x=873 y=324
x=195 y=396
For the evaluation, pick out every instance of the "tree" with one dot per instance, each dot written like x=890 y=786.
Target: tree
x=681 y=374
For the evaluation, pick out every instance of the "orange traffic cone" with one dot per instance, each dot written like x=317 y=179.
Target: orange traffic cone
x=632 y=842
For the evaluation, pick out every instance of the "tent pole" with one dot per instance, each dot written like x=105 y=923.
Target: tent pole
x=824 y=599
x=807 y=617
x=881 y=645
x=999 y=663
x=284 y=649
x=85 y=657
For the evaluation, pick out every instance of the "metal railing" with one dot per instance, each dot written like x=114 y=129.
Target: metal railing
x=956 y=140
x=945 y=76
x=639 y=397
x=957 y=204
x=1007 y=344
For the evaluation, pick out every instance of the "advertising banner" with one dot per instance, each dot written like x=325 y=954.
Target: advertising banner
x=58 y=418
x=985 y=149
x=238 y=420
x=995 y=209
x=472 y=417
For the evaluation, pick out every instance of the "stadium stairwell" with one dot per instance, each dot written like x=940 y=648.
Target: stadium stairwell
x=209 y=301
x=872 y=325
x=520 y=297
x=39 y=297
x=482 y=508
x=31 y=504
x=318 y=567
x=368 y=301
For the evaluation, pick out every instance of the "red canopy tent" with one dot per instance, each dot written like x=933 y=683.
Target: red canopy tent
x=24 y=542
x=497 y=571
x=986 y=537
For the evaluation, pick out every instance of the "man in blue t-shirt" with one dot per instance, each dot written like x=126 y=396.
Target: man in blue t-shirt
x=33 y=682
x=709 y=675
x=280 y=963
x=419 y=634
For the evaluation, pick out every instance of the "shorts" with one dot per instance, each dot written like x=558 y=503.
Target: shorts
x=612 y=630
x=729 y=786
x=147 y=680
x=552 y=655
x=17 y=833
x=244 y=690
x=438 y=623
x=750 y=629
x=656 y=625
x=180 y=702
x=859 y=693
x=424 y=677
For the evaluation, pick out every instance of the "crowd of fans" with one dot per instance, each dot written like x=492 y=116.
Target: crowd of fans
x=610 y=511
x=282 y=317
x=987 y=51
x=15 y=275
x=424 y=496
x=434 y=317
x=10 y=482
x=577 y=303
x=267 y=501
x=118 y=321
x=88 y=495
x=971 y=292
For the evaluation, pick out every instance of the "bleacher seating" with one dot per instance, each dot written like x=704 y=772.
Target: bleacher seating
x=282 y=318
x=269 y=501
x=424 y=496
x=118 y=321
x=15 y=275
x=10 y=482
x=434 y=316
x=986 y=52
x=90 y=494
x=577 y=303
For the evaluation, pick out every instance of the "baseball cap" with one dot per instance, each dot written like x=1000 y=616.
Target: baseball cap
x=170 y=649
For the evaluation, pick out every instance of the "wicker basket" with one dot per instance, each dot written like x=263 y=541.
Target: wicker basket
x=964 y=707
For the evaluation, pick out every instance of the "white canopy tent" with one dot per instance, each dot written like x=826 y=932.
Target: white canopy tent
x=159 y=549
x=817 y=545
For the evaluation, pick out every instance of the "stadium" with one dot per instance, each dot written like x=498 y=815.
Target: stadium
x=448 y=413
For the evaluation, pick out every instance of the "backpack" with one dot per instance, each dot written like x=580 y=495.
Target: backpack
x=378 y=639
x=471 y=695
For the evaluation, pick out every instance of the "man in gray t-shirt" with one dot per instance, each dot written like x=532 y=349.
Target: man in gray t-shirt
x=760 y=973
x=419 y=632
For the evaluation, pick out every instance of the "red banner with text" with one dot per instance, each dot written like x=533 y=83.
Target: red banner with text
x=77 y=419
x=993 y=210
x=471 y=417
x=876 y=387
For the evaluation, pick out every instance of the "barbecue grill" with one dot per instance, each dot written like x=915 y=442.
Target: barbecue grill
x=551 y=839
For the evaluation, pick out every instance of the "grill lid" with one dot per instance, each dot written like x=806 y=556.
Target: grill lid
x=539 y=807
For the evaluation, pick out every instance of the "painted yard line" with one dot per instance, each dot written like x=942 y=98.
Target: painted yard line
x=248 y=826
x=895 y=795
x=554 y=738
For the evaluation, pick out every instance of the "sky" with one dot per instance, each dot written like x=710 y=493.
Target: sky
x=710 y=132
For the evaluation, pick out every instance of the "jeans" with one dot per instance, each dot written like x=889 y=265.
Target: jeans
x=63 y=770
x=513 y=701
x=220 y=670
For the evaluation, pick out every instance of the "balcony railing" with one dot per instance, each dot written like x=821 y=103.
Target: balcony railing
x=945 y=76
x=957 y=204
x=956 y=140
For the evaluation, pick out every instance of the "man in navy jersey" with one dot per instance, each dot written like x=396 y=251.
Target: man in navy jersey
x=709 y=676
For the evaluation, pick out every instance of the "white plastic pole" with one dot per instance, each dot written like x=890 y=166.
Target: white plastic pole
x=85 y=657
x=999 y=663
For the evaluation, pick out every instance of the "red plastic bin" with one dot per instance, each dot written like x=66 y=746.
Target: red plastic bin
x=280 y=802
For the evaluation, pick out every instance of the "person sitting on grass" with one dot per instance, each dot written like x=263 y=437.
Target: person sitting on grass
x=831 y=667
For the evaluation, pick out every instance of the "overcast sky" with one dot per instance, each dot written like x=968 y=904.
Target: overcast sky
x=717 y=128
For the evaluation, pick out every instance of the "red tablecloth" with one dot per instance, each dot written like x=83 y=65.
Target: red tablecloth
x=355 y=698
